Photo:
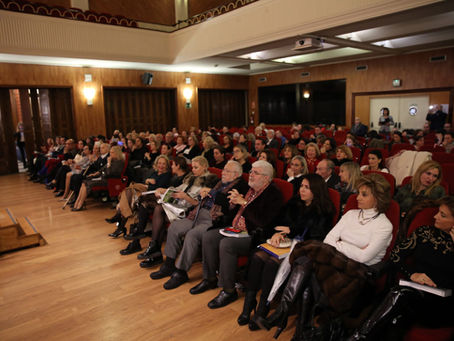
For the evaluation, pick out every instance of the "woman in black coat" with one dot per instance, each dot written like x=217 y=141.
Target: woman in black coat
x=308 y=215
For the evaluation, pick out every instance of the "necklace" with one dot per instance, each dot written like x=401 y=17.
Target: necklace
x=364 y=221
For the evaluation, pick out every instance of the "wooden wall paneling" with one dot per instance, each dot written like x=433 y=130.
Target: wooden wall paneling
x=56 y=3
x=24 y=104
x=362 y=109
x=157 y=12
x=8 y=159
x=36 y=116
x=440 y=97
x=45 y=110
x=199 y=6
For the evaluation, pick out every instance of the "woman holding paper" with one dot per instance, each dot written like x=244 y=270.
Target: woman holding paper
x=308 y=215
x=431 y=250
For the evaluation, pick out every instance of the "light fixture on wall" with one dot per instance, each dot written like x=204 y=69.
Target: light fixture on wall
x=306 y=94
x=89 y=94
x=187 y=94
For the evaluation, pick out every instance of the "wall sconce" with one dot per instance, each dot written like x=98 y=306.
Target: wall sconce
x=306 y=94
x=187 y=94
x=89 y=94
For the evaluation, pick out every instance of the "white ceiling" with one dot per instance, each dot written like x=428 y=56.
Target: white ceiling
x=425 y=28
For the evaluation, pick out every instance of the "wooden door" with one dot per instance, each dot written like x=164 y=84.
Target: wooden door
x=8 y=159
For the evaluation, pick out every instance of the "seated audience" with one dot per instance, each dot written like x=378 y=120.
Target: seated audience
x=329 y=148
x=259 y=147
x=326 y=170
x=430 y=249
x=255 y=218
x=425 y=184
x=448 y=141
x=269 y=156
x=376 y=163
x=358 y=240
x=295 y=172
x=219 y=157
x=228 y=144
x=349 y=175
x=207 y=152
x=343 y=154
x=180 y=145
x=241 y=155
x=288 y=152
x=307 y=216
x=213 y=212
x=271 y=142
x=113 y=169
x=312 y=154
x=192 y=150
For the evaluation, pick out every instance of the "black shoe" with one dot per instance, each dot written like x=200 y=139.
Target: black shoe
x=118 y=232
x=153 y=247
x=224 y=298
x=203 y=286
x=152 y=261
x=164 y=271
x=50 y=186
x=249 y=305
x=115 y=219
x=134 y=233
x=178 y=278
x=59 y=194
x=132 y=247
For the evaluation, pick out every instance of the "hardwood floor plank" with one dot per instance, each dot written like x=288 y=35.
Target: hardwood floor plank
x=78 y=286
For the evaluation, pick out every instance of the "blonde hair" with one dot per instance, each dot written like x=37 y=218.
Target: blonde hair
x=314 y=145
x=210 y=142
x=354 y=173
x=424 y=167
x=202 y=161
x=155 y=163
x=303 y=163
x=118 y=152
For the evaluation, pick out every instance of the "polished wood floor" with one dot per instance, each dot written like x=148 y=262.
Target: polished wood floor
x=78 y=287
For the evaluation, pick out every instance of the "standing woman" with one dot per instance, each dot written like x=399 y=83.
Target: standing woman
x=113 y=169
x=298 y=168
x=308 y=215
x=376 y=163
x=385 y=121
x=20 y=141
x=312 y=154
x=431 y=251
x=425 y=184
x=241 y=155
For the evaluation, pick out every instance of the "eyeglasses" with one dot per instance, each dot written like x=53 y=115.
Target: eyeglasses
x=254 y=172
x=228 y=171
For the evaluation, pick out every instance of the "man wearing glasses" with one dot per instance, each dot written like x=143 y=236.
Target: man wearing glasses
x=254 y=220
x=213 y=211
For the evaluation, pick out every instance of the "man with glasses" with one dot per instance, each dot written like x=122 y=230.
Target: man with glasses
x=213 y=211
x=255 y=219
x=325 y=169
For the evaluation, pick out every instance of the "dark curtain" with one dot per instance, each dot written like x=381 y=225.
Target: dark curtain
x=61 y=114
x=140 y=109
x=222 y=107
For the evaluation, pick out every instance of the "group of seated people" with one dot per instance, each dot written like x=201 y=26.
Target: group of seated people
x=332 y=267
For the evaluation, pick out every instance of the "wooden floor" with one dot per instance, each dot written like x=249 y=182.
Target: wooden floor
x=78 y=287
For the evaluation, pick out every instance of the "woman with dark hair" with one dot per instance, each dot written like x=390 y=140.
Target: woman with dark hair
x=288 y=152
x=228 y=143
x=192 y=150
x=376 y=163
x=329 y=148
x=308 y=215
x=431 y=251
x=385 y=121
x=219 y=157
x=241 y=155
x=268 y=155
x=340 y=264
x=301 y=146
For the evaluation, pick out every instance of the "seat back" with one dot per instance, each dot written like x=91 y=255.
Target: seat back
x=448 y=175
x=389 y=177
x=335 y=199
x=279 y=168
x=423 y=217
x=442 y=157
x=216 y=171
x=285 y=187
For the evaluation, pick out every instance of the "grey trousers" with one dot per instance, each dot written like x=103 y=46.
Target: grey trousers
x=222 y=252
x=192 y=234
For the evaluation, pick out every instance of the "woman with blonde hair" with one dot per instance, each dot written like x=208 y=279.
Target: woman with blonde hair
x=343 y=154
x=349 y=174
x=295 y=172
x=425 y=184
x=241 y=155
x=312 y=155
x=113 y=169
x=159 y=178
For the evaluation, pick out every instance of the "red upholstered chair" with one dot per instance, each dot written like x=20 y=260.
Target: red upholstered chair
x=448 y=175
x=442 y=157
x=279 y=168
x=443 y=183
x=389 y=177
x=397 y=147
x=365 y=160
x=216 y=171
x=335 y=198
x=393 y=214
x=116 y=185
x=424 y=217
x=356 y=154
